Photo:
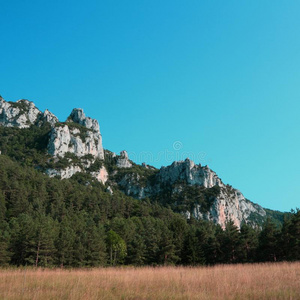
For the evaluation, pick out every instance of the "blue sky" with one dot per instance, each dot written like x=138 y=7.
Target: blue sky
x=217 y=81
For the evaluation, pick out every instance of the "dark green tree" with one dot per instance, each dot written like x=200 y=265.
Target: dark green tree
x=268 y=242
x=249 y=243
x=290 y=237
x=116 y=247
x=230 y=243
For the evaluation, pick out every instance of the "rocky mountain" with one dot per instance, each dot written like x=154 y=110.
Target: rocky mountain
x=75 y=146
x=23 y=114
x=194 y=190
x=79 y=136
x=80 y=140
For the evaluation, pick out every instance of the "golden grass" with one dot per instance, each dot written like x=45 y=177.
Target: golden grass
x=251 y=281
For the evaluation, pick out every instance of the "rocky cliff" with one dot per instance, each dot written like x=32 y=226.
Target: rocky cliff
x=194 y=190
x=79 y=136
x=81 y=140
x=21 y=114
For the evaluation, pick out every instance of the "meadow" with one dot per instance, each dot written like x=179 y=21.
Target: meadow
x=249 y=281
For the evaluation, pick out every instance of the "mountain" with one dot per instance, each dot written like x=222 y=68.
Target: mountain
x=62 y=149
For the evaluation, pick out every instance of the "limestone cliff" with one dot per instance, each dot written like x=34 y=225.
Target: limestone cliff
x=195 y=190
x=21 y=114
x=80 y=140
x=79 y=136
x=123 y=160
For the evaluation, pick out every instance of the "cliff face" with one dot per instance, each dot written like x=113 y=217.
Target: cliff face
x=123 y=160
x=233 y=207
x=21 y=114
x=189 y=172
x=185 y=182
x=79 y=140
x=79 y=135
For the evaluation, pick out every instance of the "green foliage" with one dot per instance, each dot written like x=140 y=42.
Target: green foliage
x=277 y=217
x=188 y=197
x=231 y=243
x=290 y=237
x=142 y=174
x=249 y=243
x=96 y=166
x=117 y=248
x=27 y=146
x=268 y=249
x=4 y=243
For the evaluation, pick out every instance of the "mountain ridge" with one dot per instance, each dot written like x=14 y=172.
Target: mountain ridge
x=76 y=146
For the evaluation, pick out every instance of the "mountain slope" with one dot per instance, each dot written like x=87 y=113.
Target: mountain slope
x=63 y=149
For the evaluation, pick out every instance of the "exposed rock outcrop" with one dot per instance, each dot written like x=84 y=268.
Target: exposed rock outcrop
x=189 y=172
x=80 y=140
x=123 y=160
x=59 y=142
x=233 y=207
x=78 y=116
x=228 y=204
x=21 y=114
x=101 y=175
x=48 y=117
x=180 y=171
x=64 y=173
x=80 y=135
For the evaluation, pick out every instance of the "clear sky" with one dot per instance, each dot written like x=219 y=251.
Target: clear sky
x=217 y=81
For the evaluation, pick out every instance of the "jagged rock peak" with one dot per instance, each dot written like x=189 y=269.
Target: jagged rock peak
x=78 y=116
x=124 y=154
x=123 y=160
x=21 y=114
x=188 y=171
x=63 y=140
x=49 y=117
x=67 y=138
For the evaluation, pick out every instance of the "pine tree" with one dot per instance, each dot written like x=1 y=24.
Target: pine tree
x=268 y=242
x=65 y=243
x=4 y=244
x=193 y=253
x=116 y=247
x=46 y=234
x=249 y=243
x=95 y=247
x=230 y=243
x=167 y=252
x=290 y=237
x=23 y=240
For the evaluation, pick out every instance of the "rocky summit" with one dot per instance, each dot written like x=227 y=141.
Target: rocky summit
x=78 y=135
x=21 y=114
x=81 y=141
x=183 y=182
x=75 y=146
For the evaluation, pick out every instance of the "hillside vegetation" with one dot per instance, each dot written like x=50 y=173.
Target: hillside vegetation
x=50 y=222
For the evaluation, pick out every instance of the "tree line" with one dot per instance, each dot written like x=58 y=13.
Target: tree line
x=49 y=222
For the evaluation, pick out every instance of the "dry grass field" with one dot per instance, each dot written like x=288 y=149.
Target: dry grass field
x=252 y=281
